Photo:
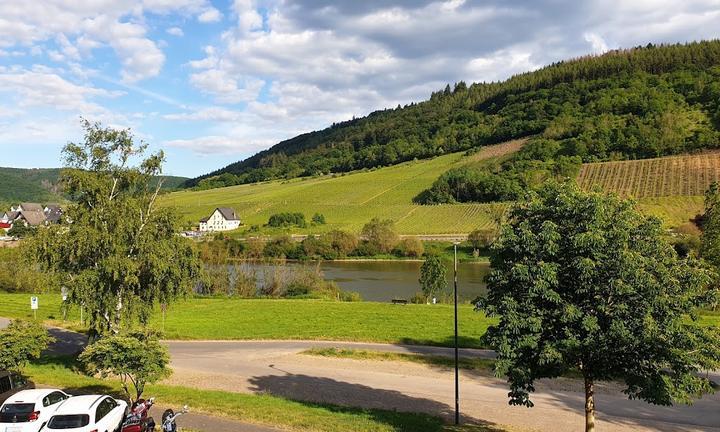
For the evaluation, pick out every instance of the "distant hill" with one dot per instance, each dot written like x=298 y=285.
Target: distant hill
x=625 y=104
x=41 y=185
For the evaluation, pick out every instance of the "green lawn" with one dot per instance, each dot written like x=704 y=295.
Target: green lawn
x=221 y=318
x=258 y=409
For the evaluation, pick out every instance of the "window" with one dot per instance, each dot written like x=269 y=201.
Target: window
x=19 y=380
x=5 y=384
x=104 y=408
x=53 y=398
x=68 y=421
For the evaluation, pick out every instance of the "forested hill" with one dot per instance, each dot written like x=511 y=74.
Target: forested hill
x=625 y=104
x=41 y=185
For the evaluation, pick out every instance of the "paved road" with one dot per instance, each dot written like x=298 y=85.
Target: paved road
x=276 y=367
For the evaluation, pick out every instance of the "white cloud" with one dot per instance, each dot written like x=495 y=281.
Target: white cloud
x=209 y=16
x=219 y=145
x=598 y=44
x=175 y=31
x=225 y=88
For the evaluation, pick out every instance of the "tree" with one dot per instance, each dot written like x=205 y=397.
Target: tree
x=410 y=247
x=480 y=238
x=381 y=235
x=20 y=230
x=583 y=281
x=136 y=359
x=318 y=219
x=710 y=247
x=21 y=342
x=120 y=255
x=433 y=276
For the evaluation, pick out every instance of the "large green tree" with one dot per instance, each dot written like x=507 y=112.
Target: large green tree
x=583 y=281
x=120 y=253
x=433 y=276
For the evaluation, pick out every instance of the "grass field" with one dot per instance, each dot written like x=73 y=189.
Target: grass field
x=349 y=201
x=250 y=408
x=289 y=319
x=687 y=175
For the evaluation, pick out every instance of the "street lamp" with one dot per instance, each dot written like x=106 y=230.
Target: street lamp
x=457 y=377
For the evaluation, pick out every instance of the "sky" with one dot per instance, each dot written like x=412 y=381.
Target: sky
x=213 y=82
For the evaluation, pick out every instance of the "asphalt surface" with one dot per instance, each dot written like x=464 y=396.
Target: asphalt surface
x=276 y=367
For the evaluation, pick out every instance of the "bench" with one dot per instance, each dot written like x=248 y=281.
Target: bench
x=399 y=301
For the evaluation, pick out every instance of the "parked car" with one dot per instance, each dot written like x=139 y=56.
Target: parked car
x=29 y=410
x=11 y=383
x=99 y=413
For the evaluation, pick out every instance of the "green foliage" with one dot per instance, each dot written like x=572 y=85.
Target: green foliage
x=318 y=219
x=433 y=276
x=710 y=247
x=136 y=359
x=17 y=274
x=634 y=103
x=380 y=236
x=29 y=185
x=583 y=280
x=281 y=247
x=480 y=239
x=21 y=342
x=121 y=254
x=287 y=219
x=20 y=230
x=410 y=247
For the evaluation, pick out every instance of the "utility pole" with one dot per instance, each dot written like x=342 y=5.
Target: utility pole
x=457 y=377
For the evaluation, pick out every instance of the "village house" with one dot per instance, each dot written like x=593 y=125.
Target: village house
x=31 y=214
x=221 y=219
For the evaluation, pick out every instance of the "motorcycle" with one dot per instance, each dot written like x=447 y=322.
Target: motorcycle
x=169 y=417
x=138 y=418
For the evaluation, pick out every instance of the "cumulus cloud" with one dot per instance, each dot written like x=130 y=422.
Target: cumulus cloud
x=78 y=28
x=175 y=31
x=219 y=145
x=209 y=16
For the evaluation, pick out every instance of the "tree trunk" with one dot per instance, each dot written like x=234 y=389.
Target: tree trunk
x=589 y=405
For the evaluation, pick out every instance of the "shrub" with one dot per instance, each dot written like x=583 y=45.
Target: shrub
x=318 y=219
x=281 y=247
x=343 y=242
x=410 y=247
x=287 y=219
x=318 y=247
x=380 y=235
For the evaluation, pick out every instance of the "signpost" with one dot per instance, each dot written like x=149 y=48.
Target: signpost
x=34 y=305
x=64 y=294
x=457 y=380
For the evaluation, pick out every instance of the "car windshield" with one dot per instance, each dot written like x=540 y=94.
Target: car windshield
x=68 y=421
x=16 y=412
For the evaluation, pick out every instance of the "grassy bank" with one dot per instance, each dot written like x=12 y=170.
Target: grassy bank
x=222 y=318
x=258 y=409
x=227 y=319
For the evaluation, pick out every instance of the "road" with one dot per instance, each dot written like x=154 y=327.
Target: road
x=278 y=368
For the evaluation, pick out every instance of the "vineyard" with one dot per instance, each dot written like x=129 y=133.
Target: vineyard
x=348 y=201
x=687 y=175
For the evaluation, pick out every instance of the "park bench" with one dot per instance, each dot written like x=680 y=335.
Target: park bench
x=399 y=301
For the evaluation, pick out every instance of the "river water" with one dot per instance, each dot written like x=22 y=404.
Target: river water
x=383 y=281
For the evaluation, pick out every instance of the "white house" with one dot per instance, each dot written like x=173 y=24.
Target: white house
x=222 y=219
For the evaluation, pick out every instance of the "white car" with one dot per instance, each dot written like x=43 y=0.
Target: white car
x=29 y=410
x=94 y=413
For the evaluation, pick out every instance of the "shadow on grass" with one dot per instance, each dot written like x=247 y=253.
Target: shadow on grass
x=75 y=386
x=448 y=342
x=393 y=408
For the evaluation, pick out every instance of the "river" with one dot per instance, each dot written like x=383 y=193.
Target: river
x=383 y=281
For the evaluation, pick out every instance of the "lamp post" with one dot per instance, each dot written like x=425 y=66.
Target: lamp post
x=457 y=378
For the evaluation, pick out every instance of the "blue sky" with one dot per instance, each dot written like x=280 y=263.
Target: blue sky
x=213 y=82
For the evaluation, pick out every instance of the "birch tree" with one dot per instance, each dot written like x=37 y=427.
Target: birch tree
x=118 y=252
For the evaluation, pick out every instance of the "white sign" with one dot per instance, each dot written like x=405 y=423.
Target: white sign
x=33 y=303
x=64 y=293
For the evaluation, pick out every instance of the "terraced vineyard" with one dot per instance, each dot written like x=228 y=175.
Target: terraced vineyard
x=349 y=201
x=687 y=175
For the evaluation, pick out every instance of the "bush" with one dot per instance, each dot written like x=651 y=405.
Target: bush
x=410 y=247
x=380 y=235
x=318 y=219
x=284 y=220
x=350 y=296
x=344 y=243
x=281 y=247
x=318 y=247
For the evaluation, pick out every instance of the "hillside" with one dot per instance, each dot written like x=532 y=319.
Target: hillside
x=348 y=201
x=41 y=185
x=625 y=104
x=686 y=175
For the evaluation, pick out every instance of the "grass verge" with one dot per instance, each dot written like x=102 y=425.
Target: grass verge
x=228 y=319
x=481 y=365
x=250 y=408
